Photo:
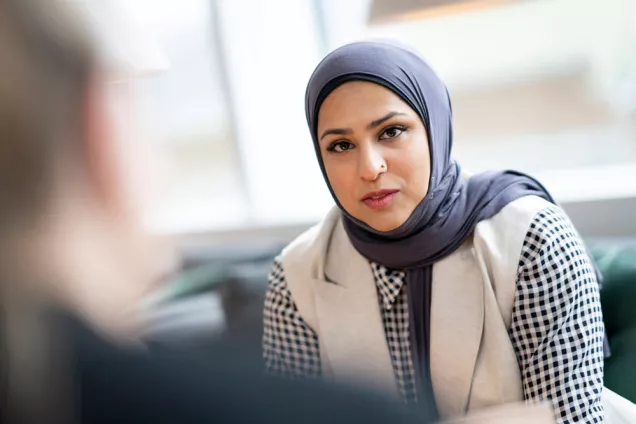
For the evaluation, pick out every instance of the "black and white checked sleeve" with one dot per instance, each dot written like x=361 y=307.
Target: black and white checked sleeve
x=557 y=324
x=290 y=346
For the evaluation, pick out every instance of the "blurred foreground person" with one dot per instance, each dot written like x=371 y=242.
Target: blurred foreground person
x=75 y=261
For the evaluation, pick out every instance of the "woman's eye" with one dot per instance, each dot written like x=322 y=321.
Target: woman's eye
x=340 y=146
x=391 y=132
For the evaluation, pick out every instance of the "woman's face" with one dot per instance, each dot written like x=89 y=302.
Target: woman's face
x=375 y=151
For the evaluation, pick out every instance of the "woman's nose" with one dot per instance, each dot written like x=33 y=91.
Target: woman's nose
x=371 y=164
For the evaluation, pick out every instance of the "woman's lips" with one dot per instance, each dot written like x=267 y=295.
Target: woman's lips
x=379 y=199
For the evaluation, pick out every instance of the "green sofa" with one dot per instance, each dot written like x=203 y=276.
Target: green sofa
x=617 y=262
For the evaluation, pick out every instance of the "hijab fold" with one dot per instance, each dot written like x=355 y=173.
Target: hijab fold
x=453 y=206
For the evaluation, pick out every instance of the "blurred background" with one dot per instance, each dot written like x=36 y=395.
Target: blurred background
x=543 y=86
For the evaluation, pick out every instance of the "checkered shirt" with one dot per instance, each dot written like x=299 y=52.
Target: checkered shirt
x=556 y=330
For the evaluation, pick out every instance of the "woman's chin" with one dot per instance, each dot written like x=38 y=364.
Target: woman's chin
x=384 y=220
x=383 y=224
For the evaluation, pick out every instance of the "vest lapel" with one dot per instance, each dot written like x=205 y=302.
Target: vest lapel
x=352 y=336
x=457 y=318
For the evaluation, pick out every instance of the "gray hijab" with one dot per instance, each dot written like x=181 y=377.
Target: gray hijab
x=453 y=206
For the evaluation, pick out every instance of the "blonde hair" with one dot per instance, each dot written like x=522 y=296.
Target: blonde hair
x=46 y=61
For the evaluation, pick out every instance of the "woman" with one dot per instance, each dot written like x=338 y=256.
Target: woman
x=427 y=283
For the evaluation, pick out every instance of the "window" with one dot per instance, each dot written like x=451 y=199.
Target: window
x=188 y=113
x=229 y=112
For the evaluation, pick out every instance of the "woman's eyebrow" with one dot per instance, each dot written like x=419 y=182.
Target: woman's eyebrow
x=385 y=118
x=337 y=131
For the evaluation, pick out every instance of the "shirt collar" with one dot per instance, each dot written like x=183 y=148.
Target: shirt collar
x=389 y=283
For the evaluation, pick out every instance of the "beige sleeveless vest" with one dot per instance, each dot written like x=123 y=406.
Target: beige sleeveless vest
x=473 y=364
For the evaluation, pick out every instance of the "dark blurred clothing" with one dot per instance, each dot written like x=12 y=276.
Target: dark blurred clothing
x=224 y=385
